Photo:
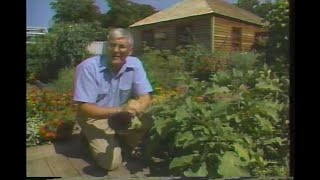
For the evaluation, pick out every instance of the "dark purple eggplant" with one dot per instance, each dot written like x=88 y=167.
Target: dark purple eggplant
x=120 y=121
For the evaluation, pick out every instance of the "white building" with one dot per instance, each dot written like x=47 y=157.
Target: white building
x=35 y=31
x=97 y=47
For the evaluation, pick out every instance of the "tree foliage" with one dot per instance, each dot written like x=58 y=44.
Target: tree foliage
x=277 y=14
x=263 y=9
x=248 y=5
x=75 y=11
x=64 y=45
x=123 y=13
x=278 y=44
x=254 y=6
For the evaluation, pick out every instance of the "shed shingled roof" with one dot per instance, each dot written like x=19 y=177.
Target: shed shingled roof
x=189 y=8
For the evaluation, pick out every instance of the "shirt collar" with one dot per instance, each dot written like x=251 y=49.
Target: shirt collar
x=102 y=63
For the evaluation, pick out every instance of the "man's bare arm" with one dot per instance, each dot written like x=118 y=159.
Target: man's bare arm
x=140 y=103
x=94 y=111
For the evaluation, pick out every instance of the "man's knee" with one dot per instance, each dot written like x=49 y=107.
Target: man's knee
x=110 y=160
x=134 y=138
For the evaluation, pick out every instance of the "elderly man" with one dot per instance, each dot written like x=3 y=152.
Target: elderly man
x=104 y=86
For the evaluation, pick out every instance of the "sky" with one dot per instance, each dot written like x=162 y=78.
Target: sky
x=39 y=12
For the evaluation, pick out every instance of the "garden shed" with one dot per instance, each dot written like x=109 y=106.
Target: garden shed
x=214 y=24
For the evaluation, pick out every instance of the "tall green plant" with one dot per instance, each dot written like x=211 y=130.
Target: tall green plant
x=64 y=82
x=239 y=126
x=243 y=60
x=201 y=62
x=162 y=67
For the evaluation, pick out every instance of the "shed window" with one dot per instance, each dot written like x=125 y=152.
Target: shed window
x=236 y=39
x=148 y=37
x=184 y=35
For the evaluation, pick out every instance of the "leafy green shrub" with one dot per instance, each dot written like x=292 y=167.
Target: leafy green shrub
x=64 y=82
x=162 y=67
x=40 y=56
x=200 y=62
x=235 y=125
x=65 y=45
x=242 y=60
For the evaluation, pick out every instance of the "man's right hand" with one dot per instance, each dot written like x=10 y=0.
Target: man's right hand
x=134 y=107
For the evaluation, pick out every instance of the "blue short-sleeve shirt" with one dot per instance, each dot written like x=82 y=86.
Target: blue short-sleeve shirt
x=95 y=83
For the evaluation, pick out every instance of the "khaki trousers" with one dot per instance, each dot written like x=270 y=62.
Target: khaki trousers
x=104 y=143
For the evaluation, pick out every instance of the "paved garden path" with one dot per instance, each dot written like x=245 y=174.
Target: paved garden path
x=70 y=159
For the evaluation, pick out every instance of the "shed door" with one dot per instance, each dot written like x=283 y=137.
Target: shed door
x=236 y=39
x=148 y=37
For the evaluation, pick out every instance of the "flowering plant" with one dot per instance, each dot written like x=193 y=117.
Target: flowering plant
x=56 y=130
x=56 y=111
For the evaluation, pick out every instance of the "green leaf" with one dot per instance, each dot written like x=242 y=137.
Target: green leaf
x=250 y=72
x=181 y=113
x=208 y=125
x=205 y=112
x=235 y=117
x=203 y=138
x=202 y=129
x=219 y=108
x=162 y=124
x=237 y=73
x=189 y=102
x=242 y=152
x=268 y=86
x=277 y=140
x=135 y=123
x=183 y=138
x=260 y=152
x=249 y=140
x=201 y=171
x=269 y=108
x=181 y=161
x=217 y=89
x=265 y=123
x=230 y=166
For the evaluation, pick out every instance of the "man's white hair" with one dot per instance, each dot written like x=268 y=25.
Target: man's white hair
x=120 y=33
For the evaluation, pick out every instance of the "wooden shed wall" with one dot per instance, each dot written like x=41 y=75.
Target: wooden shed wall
x=223 y=29
x=200 y=26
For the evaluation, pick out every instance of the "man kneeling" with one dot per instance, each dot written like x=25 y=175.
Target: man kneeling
x=103 y=87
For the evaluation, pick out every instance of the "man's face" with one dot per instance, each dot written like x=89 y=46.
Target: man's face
x=119 y=49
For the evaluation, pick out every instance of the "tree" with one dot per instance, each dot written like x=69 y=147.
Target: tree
x=248 y=5
x=278 y=44
x=256 y=7
x=263 y=8
x=123 y=13
x=75 y=11
x=65 y=45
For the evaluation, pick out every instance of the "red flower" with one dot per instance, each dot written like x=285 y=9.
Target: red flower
x=56 y=130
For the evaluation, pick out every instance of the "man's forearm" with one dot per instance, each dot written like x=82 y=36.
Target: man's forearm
x=94 y=111
x=145 y=102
